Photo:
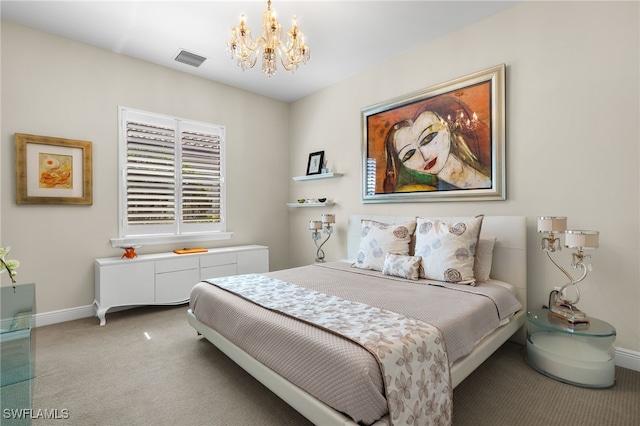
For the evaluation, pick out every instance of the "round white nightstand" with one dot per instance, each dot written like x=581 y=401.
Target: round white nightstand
x=581 y=355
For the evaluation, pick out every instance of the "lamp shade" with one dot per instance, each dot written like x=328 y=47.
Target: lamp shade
x=328 y=218
x=581 y=239
x=315 y=224
x=552 y=224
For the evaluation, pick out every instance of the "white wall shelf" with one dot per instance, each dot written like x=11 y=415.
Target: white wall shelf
x=319 y=176
x=325 y=204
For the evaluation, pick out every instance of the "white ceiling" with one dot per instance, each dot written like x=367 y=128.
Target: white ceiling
x=345 y=37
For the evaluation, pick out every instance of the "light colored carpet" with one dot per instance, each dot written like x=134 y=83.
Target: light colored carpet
x=505 y=390
x=147 y=366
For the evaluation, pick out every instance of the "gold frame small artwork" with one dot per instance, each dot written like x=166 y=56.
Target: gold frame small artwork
x=53 y=170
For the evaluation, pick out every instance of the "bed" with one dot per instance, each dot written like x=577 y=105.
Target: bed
x=300 y=375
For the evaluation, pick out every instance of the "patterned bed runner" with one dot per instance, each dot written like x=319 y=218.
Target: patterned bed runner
x=411 y=353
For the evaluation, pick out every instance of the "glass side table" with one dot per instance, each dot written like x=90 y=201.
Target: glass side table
x=581 y=355
x=16 y=353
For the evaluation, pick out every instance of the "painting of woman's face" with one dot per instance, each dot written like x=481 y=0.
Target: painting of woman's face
x=424 y=145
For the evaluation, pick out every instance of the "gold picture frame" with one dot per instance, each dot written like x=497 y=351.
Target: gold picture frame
x=53 y=170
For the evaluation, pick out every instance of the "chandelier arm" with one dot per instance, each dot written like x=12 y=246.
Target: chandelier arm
x=259 y=43
x=253 y=61
x=287 y=67
x=285 y=48
x=286 y=59
x=252 y=46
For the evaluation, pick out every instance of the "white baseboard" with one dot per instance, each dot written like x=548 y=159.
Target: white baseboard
x=624 y=357
x=64 y=315
x=628 y=359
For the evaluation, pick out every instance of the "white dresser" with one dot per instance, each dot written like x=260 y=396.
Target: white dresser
x=167 y=278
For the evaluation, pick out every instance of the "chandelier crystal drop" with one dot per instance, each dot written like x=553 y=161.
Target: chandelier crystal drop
x=292 y=52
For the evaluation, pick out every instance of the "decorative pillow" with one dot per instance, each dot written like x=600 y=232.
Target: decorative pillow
x=448 y=250
x=402 y=266
x=378 y=239
x=484 y=257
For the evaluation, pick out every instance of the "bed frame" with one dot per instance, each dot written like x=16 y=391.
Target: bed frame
x=509 y=264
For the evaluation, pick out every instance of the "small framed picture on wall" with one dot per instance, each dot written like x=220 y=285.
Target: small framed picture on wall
x=316 y=160
x=53 y=170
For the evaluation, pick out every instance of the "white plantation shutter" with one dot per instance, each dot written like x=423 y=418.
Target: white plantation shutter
x=150 y=174
x=201 y=176
x=172 y=175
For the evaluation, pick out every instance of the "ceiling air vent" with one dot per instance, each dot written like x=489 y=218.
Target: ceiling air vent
x=190 y=58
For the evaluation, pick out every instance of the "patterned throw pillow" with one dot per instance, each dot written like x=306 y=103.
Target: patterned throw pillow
x=378 y=239
x=448 y=250
x=402 y=266
x=484 y=258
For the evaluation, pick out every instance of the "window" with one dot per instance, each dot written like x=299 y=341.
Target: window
x=171 y=178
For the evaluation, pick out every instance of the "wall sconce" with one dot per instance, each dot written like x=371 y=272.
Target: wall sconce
x=559 y=305
x=319 y=227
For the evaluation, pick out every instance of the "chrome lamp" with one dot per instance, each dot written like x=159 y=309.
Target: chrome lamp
x=560 y=306
x=270 y=45
x=319 y=227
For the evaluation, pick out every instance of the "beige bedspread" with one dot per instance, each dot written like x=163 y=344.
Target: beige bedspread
x=333 y=369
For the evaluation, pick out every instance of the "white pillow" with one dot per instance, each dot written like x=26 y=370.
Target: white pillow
x=448 y=250
x=484 y=258
x=377 y=239
x=402 y=266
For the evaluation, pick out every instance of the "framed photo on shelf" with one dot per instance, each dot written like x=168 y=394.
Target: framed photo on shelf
x=53 y=170
x=443 y=143
x=316 y=160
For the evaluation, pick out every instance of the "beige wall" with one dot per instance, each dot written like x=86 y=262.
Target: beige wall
x=56 y=87
x=572 y=96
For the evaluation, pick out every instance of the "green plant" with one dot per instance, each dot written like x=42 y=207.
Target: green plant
x=8 y=265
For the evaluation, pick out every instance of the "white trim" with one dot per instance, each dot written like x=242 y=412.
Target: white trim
x=64 y=315
x=147 y=240
x=71 y=314
x=628 y=359
x=625 y=358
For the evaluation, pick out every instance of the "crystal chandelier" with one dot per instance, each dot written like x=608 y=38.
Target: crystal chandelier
x=292 y=51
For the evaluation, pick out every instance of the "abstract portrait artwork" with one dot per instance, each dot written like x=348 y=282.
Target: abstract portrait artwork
x=444 y=143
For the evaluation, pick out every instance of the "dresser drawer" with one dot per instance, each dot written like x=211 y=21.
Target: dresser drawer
x=218 y=271
x=175 y=286
x=218 y=259
x=178 y=264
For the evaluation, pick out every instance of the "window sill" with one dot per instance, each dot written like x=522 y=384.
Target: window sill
x=149 y=240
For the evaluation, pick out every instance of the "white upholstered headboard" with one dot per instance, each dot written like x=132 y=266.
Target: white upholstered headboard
x=509 y=254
